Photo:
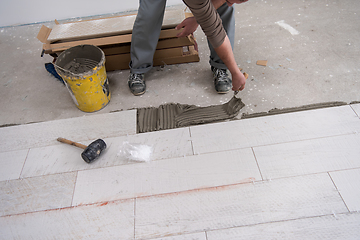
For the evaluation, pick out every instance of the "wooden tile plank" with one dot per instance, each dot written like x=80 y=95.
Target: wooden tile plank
x=103 y=221
x=239 y=205
x=65 y=158
x=338 y=227
x=310 y=156
x=11 y=164
x=36 y=194
x=275 y=129
x=171 y=175
x=347 y=182
x=89 y=127
x=106 y=26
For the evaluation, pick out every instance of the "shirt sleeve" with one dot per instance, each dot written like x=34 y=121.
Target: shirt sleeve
x=209 y=20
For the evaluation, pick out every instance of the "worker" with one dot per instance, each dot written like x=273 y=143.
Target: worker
x=216 y=18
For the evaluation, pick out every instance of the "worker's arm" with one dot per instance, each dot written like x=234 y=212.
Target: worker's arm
x=206 y=15
x=190 y=25
x=224 y=51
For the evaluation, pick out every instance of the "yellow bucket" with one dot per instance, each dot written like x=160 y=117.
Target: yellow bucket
x=83 y=71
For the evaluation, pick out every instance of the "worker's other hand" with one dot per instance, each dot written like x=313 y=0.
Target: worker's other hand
x=238 y=82
x=189 y=24
x=232 y=2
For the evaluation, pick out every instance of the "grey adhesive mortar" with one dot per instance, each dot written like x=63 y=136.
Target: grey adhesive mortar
x=174 y=115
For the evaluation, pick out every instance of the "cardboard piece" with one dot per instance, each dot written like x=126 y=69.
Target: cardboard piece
x=262 y=62
x=116 y=45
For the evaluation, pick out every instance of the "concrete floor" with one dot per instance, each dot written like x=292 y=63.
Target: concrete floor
x=318 y=65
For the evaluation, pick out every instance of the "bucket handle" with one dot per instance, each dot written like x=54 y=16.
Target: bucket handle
x=71 y=73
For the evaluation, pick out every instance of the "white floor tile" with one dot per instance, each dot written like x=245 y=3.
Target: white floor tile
x=356 y=108
x=274 y=129
x=238 y=205
x=338 y=227
x=36 y=194
x=171 y=175
x=54 y=159
x=103 y=221
x=347 y=182
x=89 y=127
x=194 y=236
x=310 y=156
x=65 y=158
x=11 y=164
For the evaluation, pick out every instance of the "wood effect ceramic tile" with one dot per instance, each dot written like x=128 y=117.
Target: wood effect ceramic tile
x=36 y=194
x=347 y=182
x=309 y=156
x=11 y=164
x=193 y=236
x=89 y=127
x=165 y=176
x=54 y=159
x=274 y=129
x=65 y=158
x=335 y=227
x=103 y=221
x=237 y=205
x=356 y=108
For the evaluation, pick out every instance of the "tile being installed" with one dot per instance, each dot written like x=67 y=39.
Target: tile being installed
x=104 y=221
x=36 y=194
x=65 y=158
x=274 y=129
x=12 y=164
x=347 y=182
x=89 y=127
x=335 y=227
x=165 y=176
x=237 y=205
x=309 y=156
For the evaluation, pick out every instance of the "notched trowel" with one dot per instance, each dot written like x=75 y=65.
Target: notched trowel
x=246 y=77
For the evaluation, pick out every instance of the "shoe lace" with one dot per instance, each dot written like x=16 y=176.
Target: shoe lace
x=136 y=79
x=221 y=75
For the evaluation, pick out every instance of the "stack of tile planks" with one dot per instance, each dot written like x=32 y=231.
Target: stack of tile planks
x=113 y=36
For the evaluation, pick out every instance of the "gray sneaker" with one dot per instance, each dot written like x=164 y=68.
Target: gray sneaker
x=223 y=83
x=137 y=84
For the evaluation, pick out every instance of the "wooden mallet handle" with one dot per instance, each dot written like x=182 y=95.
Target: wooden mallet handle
x=63 y=140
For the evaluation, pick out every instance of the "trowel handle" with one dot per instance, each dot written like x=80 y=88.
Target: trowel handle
x=63 y=140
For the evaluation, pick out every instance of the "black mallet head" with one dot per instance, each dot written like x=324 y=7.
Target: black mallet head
x=93 y=151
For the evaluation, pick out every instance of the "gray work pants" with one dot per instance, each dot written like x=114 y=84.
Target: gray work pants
x=146 y=32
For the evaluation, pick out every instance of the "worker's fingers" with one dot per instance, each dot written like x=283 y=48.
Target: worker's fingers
x=239 y=89
x=242 y=87
x=180 y=26
x=182 y=34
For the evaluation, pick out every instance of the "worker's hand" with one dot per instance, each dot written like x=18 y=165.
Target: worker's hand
x=189 y=25
x=232 y=2
x=238 y=82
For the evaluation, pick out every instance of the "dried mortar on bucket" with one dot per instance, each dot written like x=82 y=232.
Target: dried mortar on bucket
x=83 y=69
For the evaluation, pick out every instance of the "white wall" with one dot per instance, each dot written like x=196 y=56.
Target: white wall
x=16 y=12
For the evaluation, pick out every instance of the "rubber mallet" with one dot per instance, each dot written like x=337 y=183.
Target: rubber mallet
x=90 y=152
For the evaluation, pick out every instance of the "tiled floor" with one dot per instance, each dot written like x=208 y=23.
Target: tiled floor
x=287 y=176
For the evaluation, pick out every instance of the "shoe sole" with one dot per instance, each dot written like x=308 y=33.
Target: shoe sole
x=223 y=91
x=138 y=94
